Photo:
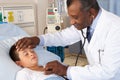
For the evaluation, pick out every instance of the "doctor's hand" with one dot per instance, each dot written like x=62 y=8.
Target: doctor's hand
x=27 y=42
x=56 y=67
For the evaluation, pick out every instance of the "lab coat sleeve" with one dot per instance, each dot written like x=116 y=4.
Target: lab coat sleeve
x=87 y=73
x=63 y=38
x=108 y=68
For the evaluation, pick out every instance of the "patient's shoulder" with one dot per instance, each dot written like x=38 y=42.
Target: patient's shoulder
x=23 y=74
x=23 y=71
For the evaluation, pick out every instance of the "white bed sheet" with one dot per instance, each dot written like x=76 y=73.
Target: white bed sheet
x=9 y=34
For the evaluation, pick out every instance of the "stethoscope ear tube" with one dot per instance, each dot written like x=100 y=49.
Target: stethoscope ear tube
x=81 y=48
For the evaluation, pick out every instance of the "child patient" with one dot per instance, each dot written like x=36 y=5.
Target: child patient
x=28 y=60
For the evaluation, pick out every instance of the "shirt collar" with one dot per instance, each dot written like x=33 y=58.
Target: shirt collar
x=93 y=25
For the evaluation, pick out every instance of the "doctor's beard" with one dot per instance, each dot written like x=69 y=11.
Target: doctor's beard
x=79 y=27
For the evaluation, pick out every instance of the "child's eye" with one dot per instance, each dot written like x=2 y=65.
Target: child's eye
x=31 y=50
x=25 y=53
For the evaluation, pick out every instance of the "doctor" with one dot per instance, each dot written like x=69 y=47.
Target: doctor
x=102 y=50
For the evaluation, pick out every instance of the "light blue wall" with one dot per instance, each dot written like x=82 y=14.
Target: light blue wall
x=111 y=5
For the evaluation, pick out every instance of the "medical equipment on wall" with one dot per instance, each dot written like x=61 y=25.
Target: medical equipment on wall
x=54 y=23
x=18 y=13
x=53 y=15
x=22 y=15
x=0 y=15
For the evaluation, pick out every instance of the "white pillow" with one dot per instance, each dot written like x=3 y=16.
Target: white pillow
x=8 y=30
x=8 y=68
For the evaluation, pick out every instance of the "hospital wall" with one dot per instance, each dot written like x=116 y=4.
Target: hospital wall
x=40 y=11
x=16 y=1
x=41 y=5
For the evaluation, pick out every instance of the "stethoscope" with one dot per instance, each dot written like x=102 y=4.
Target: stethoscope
x=81 y=47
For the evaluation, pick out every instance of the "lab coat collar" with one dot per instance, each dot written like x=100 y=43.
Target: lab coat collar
x=98 y=28
x=89 y=46
x=93 y=25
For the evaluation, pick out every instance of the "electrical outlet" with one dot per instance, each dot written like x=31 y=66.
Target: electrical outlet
x=20 y=16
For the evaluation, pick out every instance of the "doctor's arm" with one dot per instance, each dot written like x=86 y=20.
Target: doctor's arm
x=65 y=37
x=27 y=42
x=108 y=68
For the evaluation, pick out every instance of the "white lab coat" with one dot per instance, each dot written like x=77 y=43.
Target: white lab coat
x=103 y=51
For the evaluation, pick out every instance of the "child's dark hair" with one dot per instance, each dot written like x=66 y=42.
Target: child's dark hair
x=13 y=53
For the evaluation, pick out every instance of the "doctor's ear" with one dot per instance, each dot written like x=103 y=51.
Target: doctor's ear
x=93 y=16
x=92 y=13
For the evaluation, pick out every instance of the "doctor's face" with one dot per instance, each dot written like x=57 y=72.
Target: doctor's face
x=78 y=17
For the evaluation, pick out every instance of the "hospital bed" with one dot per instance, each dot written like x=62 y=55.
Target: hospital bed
x=9 y=34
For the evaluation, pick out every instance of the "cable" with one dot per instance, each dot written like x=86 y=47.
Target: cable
x=81 y=48
x=45 y=30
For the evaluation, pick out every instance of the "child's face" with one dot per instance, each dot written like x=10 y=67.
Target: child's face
x=28 y=58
